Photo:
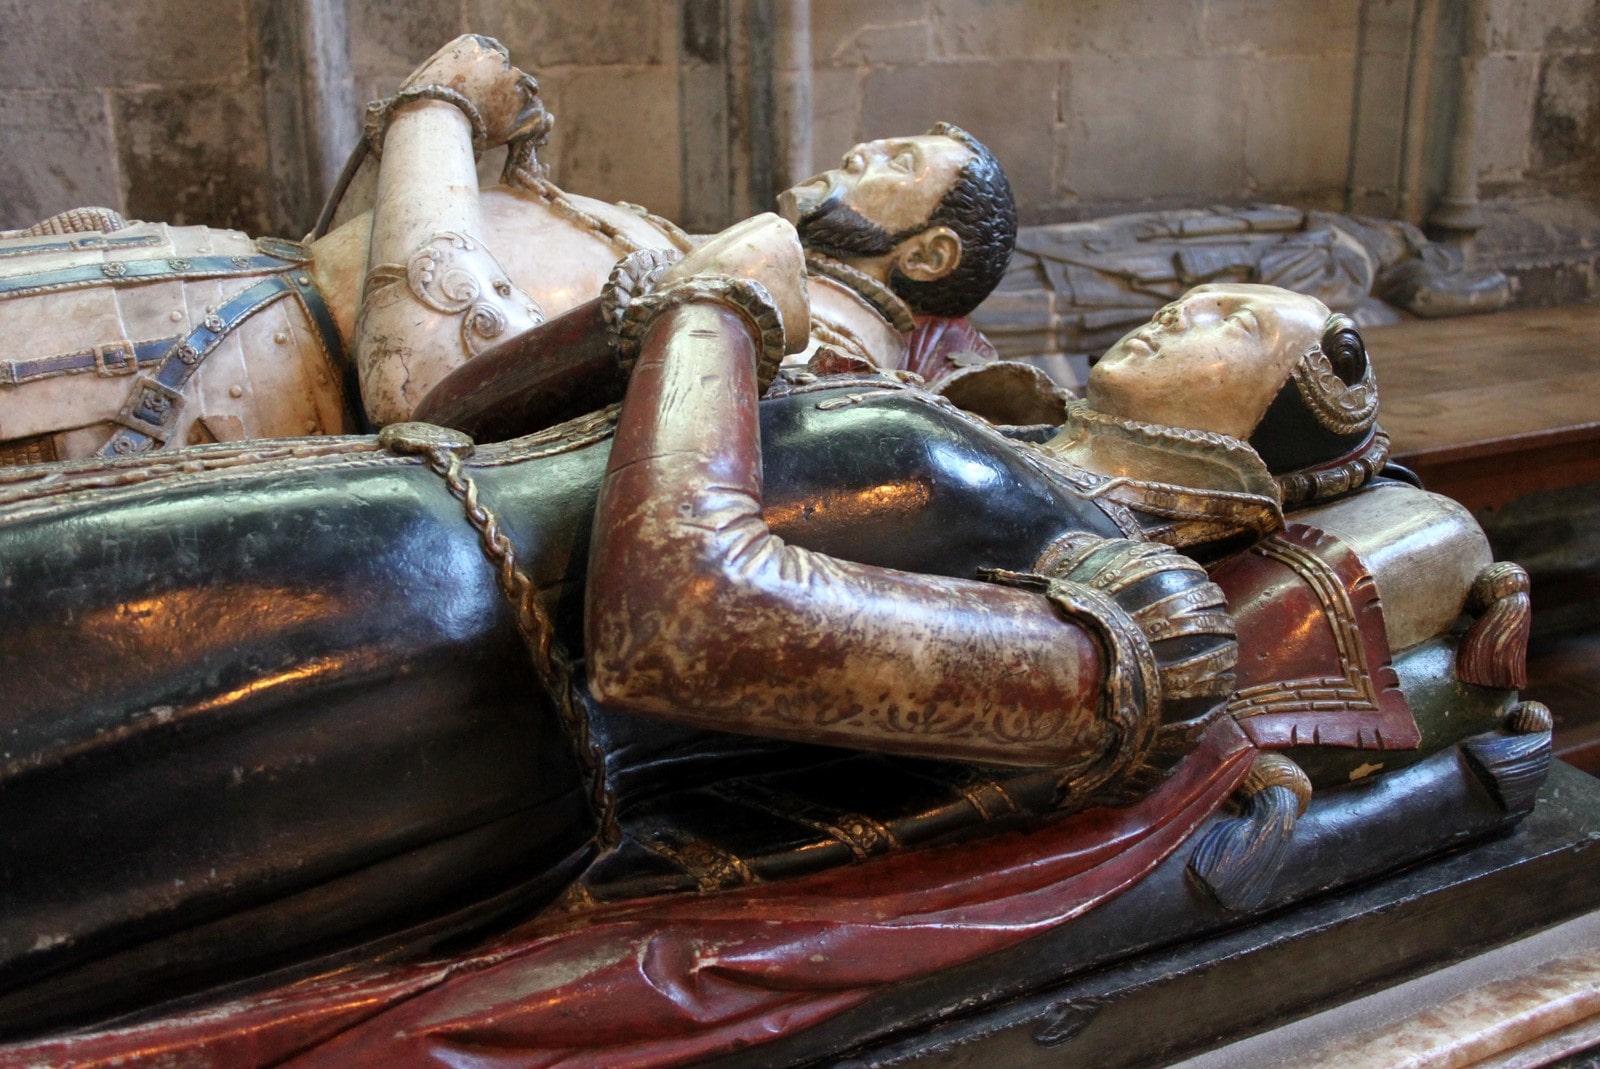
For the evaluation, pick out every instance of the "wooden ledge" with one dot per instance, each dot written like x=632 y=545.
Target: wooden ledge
x=1489 y=408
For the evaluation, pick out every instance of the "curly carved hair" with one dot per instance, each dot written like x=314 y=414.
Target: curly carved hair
x=981 y=211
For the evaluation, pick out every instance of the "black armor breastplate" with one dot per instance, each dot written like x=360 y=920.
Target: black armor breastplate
x=242 y=683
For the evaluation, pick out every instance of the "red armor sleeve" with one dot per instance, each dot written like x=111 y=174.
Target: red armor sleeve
x=698 y=613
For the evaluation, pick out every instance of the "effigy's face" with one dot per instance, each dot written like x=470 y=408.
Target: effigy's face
x=895 y=183
x=1212 y=360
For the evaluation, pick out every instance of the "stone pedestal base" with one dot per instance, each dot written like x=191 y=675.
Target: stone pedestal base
x=1521 y=1005
x=1156 y=1007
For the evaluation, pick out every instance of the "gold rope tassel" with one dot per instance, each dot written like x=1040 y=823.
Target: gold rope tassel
x=443 y=450
x=1494 y=651
x=1238 y=858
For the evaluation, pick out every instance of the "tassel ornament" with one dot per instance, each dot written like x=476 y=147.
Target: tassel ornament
x=1494 y=651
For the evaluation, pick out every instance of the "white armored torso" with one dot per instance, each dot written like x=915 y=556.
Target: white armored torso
x=130 y=339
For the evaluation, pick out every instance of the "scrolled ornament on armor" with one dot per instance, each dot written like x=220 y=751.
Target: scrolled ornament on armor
x=453 y=274
x=483 y=323
x=446 y=273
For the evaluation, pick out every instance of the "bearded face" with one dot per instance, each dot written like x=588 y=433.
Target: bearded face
x=832 y=227
x=932 y=217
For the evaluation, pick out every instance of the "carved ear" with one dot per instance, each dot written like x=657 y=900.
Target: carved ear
x=930 y=255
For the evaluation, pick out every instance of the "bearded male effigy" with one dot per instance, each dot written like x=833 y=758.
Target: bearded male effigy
x=269 y=703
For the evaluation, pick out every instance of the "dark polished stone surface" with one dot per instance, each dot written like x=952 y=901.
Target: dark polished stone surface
x=1124 y=988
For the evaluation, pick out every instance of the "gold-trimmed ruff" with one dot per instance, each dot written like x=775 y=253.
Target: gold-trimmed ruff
x=1208 y=486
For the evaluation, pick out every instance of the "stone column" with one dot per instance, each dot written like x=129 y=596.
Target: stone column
x=312 y=120
x=745 y=99
x=1419 y=92
x=1457 y=216
x=752 y=122
x=791 y=77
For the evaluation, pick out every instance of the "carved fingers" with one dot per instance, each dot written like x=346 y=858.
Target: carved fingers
x=476 y=75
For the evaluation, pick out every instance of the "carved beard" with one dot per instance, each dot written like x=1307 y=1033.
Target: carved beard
x=834 y=229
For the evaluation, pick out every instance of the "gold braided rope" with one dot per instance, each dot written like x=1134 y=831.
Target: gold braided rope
x=550 y=661
x=522 y=171
x=563 y=206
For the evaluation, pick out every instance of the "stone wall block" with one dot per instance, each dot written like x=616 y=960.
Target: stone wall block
x=1272 y=27
x=194 y=154
x=1045 y=28
x=1505 y=122
x=616 y=135
x=546 y=33
x=705 y=196
x=835 y=114
x=890 y=44
x=1138 y=130
x=1382 y=70
x=1385 y=26
x=1009 y=106
x=390 y=40
x=98 y=43
x=1566 y=118
x=1297 y=124
x=1535 y=25
x=1379 y=130
x=844 y=32
x=58 y=155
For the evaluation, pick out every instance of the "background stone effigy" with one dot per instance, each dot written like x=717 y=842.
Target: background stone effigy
x=1075 y=288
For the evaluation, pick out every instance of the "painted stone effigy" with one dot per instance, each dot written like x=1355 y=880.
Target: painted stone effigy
x=686 y=723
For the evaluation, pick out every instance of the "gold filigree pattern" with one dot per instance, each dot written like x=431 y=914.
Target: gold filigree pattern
x=1351 y=692
x=710 y=867
x=40 y=449
x=1132 y=703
